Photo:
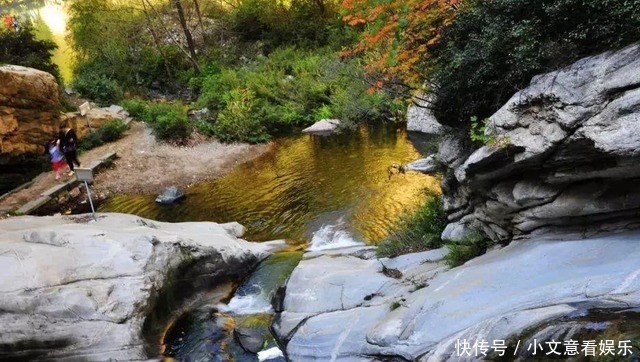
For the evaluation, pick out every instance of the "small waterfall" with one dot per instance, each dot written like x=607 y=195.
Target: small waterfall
x=332 y=237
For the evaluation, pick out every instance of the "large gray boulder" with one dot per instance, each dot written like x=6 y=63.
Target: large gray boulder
x=75 y=289
x=566 y=154
x=341 y=307
x=420 y=117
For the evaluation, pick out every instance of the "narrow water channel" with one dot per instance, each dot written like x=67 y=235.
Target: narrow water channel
x=336 y=185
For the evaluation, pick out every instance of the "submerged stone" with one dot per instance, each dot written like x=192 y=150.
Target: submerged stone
x=170 y=195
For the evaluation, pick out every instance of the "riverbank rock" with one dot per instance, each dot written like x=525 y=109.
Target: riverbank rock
x=564 y=159
x=94 y=119
x=75 y=289
x=29 y=111
x=170 y=195
x=324 y=127
x=420 y=117
x=341 y=307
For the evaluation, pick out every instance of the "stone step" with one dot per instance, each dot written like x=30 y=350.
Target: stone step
x=31 y=206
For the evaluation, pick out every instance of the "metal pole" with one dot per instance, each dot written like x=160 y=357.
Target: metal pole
x=90 y=201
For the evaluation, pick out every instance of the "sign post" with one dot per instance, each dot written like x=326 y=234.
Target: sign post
x=85 y=175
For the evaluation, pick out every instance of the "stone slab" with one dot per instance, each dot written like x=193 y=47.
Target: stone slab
x=31 y=206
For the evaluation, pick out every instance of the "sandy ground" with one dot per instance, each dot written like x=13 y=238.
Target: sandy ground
x=147 y=166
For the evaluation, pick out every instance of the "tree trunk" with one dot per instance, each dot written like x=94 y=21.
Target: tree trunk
x=190 y=44
x=155 y=39
x=197 y=6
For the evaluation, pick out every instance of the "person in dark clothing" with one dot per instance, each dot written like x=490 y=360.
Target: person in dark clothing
x=68 y=145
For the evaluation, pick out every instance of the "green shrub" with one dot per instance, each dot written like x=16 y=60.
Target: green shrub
x=467 y=249
x=238 y=121
x=154 y=110
x=205 y=128
x=417 y=231
x=135 y=107
x=172 y=125
x=109 y=132
x=97 y=87
x=113 y=130
x=293 y=87
x=494 y=47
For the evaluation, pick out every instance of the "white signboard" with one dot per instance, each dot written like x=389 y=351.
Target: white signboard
x=84 y=174
x=84 y=108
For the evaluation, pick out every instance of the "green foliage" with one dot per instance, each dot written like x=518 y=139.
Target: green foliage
x=22 y=48
x=205 y=128
x=494 y=47
x=467 y=249
x=172 y=125
x=478 y=131
x=417 y=231
x=113 y=130
x=291 y=87
x=135 y=107
x=238 y=121
x=109 y=132
x=296 y=22
x=97 y=87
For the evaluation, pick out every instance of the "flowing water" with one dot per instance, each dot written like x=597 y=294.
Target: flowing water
x=321 y=192
x=339 y=186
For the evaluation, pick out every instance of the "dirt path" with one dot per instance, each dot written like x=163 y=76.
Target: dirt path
x=146 y=166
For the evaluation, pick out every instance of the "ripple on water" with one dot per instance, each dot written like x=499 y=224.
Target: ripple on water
x=303 y=184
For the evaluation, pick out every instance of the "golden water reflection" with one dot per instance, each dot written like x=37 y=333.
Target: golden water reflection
x=303 y=183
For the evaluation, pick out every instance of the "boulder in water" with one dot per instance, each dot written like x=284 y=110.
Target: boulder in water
x=170 y=195
x=324 y=127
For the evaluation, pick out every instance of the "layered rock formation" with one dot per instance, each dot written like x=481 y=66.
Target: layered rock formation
x=75 y=289
x=564 y=156
x=94 y=119
x=29 y=111
x=341 y=305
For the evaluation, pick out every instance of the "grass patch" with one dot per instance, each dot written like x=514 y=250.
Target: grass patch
x=417 y=231
x=466 y=249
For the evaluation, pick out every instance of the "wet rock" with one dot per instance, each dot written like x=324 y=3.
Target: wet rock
x=170 y=195
x=324 y=127
x=427 y=165
x=252 y=340
x=76 y=289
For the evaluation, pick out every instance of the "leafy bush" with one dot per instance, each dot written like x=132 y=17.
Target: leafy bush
x=417 y=231
x=291 y=87
x=494 y=47
x=172 y=125
x=238 y=121
x=97 y=87
x=205 y=128
x=467 y=249
x=135 y=107
x=22 y=48
x=109 y=132
x=113 y=130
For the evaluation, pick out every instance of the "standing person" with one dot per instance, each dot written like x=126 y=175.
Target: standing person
x=57 y=158
x=68 y=144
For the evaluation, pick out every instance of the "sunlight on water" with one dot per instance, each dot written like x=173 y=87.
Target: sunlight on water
x=303 y=184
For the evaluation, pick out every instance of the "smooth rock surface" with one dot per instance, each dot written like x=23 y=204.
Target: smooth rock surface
x=420 y=117
x=568 y=156
x=323 y=127
x=421 y=315
x=75 y=289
